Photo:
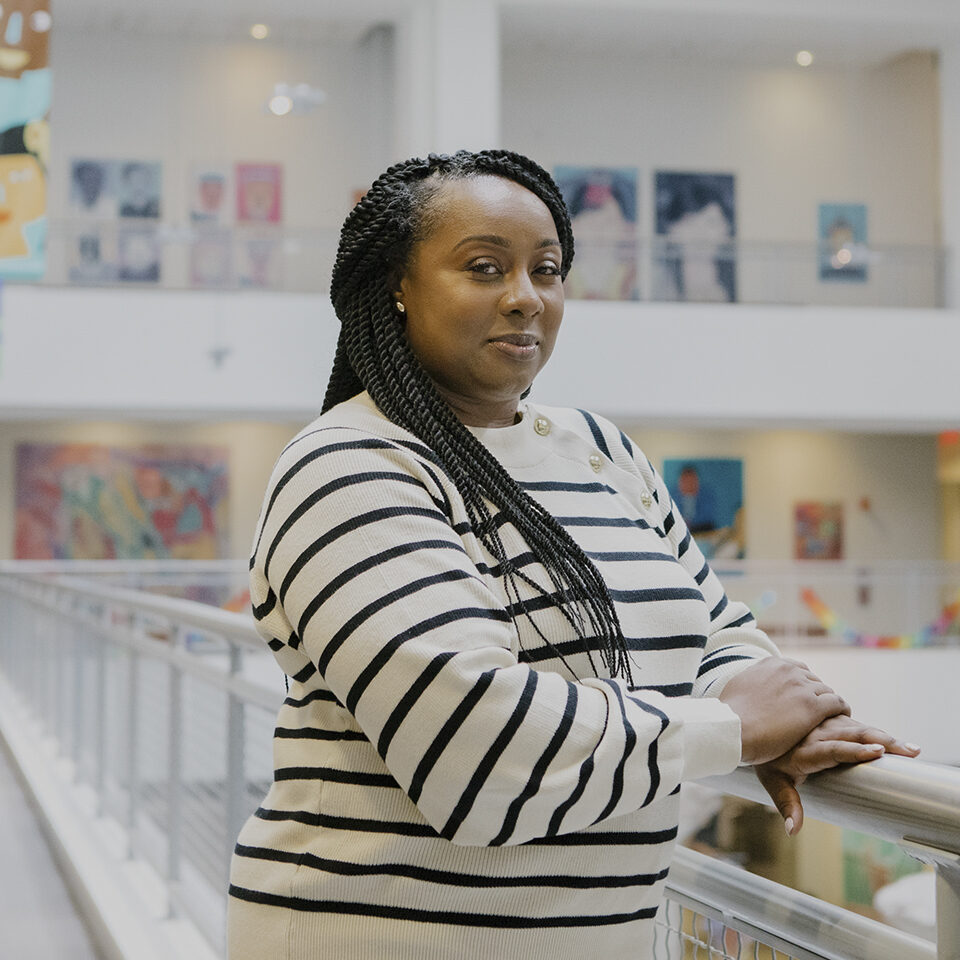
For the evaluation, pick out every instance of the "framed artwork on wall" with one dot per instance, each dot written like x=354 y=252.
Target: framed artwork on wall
x=708 y=492
x=602 y=202
x=259 y=192
x=696 y=223
x=842 y=235
x=85 y=501
x=818 y=530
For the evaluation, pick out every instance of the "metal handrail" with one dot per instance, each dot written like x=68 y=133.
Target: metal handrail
x=895 y=798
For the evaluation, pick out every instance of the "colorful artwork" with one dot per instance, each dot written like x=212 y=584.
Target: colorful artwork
x=80 y=501
x=949 y=616
x=708 y=492
x=696 y=218
x=258 y=259
x=210 y=193
x=843 y=242
x=24 y=136
x=259 y=192
x=818 y=531
x=602 y=202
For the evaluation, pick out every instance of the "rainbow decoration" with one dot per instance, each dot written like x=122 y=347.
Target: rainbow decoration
x=922 y=638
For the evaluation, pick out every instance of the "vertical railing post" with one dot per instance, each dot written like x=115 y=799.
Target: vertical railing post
x=76 y=645
x=100 y=712
x=133 y=748
x=948 y=910
x=174 y=776
x=236 y=750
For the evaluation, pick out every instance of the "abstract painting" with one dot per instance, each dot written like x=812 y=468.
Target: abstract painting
x=90 y=502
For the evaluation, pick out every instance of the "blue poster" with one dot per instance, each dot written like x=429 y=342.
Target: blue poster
x=842 y=230
x=24 y=136
x=708 y=492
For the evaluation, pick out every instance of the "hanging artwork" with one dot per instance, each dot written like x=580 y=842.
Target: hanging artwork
x=106 y=189
x=138 y=255
x=210 y=194
x=81 y=501
x=708 y=492
x=818 y=531
x=602 y=202
x=843 y=241
x=94 y=258
x=258 y=259
x=695 y=258
x=259 y=192
x=211 y=257
x=138 y=189
x=24 y=135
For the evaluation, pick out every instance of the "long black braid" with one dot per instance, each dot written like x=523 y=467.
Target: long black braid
x=373 y=354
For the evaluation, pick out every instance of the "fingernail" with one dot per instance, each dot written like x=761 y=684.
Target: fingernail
x=913 y=747
x=875 y=747
x=788 y=826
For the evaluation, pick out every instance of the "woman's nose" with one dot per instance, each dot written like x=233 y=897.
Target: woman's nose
x=521 y=296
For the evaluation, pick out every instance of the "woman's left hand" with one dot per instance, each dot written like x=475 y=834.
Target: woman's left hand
x=837 y=740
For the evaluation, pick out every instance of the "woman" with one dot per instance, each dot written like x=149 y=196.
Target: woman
x=505 y=651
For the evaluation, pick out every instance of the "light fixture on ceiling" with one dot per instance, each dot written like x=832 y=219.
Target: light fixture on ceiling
x=804 y=58
x=297 y=99
x=259 y=31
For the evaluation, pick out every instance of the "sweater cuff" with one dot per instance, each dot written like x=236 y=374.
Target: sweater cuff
x=711 y=736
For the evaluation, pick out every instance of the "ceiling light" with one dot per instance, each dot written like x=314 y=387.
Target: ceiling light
x=804 y=58
x=280 y=105
x=259 y=31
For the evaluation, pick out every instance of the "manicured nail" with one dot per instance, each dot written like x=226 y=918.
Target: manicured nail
x=788 y=826
x=912 y=747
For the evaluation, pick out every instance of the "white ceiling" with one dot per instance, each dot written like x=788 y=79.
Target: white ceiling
x=755 y=31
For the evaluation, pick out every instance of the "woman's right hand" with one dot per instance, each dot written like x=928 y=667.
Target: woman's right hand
x=779 y=701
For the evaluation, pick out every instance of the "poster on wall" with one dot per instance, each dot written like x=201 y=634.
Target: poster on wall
x=93 y=255
x=107 y=189
x=696 y=223
x=138 y=189
x=602 y=202
x=708 y=492
x=211 y=258
x=211 y=190
x=138 y=255
x=258 y=259
x=842 y=234
x=89 y=502
x=818 y=530
x=259 y=192
x=24 y=136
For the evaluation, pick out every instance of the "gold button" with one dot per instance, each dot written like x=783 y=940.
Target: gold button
x=596 y=463
x=646 y=499
x=542 y=426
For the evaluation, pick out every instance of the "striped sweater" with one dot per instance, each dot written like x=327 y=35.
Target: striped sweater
x=445 y=786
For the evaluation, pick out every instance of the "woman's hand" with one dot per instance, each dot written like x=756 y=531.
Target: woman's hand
x=839 y=739
x=779 y=702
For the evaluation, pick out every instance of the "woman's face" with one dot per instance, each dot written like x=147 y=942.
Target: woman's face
x=483 y=296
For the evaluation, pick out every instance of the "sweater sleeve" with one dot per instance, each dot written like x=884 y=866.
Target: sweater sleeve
x=366 y=562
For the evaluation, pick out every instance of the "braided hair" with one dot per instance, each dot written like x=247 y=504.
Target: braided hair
x=373 y=354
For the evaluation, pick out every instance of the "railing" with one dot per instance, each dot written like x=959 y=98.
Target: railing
x=164 y=709
x=94 y=252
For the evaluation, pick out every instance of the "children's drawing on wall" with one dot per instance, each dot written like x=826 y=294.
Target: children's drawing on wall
x=94 y=257
x=695 y=259
x=603 y=210
x=818 y=530
x=138 y=189
x=24 y=136
x=211 y=259
x=259 y=192
x=708 y=492
x=843 y=241
x=83 y=501
x=211 y=194
x=138 y=256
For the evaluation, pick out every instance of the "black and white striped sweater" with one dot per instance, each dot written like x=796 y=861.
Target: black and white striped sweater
x=443 y=787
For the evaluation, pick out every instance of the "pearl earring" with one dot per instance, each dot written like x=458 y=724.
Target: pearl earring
x=401 y=307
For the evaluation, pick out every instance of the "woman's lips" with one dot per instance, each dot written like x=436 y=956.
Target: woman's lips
x=518 y=346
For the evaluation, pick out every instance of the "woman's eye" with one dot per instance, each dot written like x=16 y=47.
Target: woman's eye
x=485 y=267
x=550 y=269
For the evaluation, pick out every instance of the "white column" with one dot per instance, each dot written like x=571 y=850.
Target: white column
x=447 y=61
x=950 y=170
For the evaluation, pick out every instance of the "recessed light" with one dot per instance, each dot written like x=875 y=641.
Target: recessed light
x=804 y=58
x=259 y=31
x=280 y=105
